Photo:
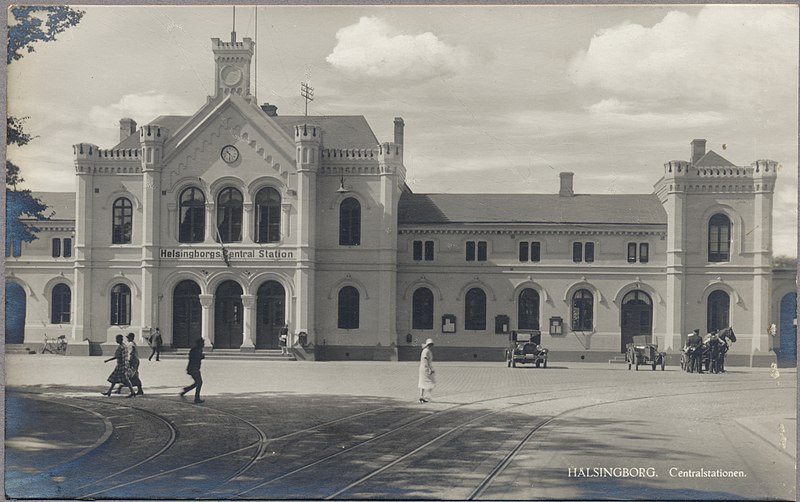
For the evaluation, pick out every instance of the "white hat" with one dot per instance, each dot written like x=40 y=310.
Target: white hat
x=429 y=341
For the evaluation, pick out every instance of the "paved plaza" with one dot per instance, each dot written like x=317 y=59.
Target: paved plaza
x=355 y=430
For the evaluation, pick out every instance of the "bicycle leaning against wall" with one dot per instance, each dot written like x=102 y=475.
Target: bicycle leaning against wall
x=55 y=345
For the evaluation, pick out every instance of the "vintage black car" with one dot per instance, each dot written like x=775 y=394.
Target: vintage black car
x=525 y=348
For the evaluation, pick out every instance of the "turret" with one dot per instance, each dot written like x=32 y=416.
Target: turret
x=152 y=138
x=84 y=155
x=232 y=69
x=307 y=140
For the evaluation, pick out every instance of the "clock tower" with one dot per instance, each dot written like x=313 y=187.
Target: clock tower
x=232 y=66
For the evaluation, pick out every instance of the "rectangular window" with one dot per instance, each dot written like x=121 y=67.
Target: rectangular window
x=535 y=251
x=644 y=252
x=67 y=247
x=631 y=252
x=470 y=250
x=56 y=248
x=417 y=250
x=577 y=252
x=523 y=251
x=429 y=252
x=588 y=253
x=482 y=251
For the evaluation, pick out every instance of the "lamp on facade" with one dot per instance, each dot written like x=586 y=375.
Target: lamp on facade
x=342 y=188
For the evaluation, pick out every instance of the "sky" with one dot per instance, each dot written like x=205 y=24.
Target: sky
x=495 y=99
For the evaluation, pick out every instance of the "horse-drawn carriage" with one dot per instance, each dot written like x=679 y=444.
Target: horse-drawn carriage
x=525 y=348
x=640 y=352
x=707 y=352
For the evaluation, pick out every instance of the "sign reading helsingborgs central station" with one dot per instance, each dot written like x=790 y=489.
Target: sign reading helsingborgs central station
x=232 y=254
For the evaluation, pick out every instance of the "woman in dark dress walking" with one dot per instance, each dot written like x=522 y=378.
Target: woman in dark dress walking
x=193 y=370
x=120 y=373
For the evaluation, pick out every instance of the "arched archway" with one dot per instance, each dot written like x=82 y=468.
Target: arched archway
x=636 y=317
x=270 y=314
x=228 y=316
x=187 y=314
x=15 y=313
x=788 y=330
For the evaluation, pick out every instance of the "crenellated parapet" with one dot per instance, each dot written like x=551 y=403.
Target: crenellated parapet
x=90 y=159
x=764 y=168
x=675 y=168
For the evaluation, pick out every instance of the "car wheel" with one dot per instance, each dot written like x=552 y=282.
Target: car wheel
x=538 y=363
x=545 y=363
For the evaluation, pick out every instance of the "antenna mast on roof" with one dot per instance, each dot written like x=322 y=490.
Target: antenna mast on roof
x=306 y=91
x=233 y=33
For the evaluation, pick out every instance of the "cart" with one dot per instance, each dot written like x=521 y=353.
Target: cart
x=524 y=348
x=640 y=352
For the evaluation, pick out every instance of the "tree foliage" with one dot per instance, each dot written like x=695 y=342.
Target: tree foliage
x=28 y=25
x=37 y=23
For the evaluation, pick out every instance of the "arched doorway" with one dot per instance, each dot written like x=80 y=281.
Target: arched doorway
x=637 y=317
x=187 y=314
x=15 y=313
x=270 y=313
x=228 y=315
x=788 y=329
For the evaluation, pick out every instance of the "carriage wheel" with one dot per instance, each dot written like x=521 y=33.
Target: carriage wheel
x=654 y=365
x=663 y=363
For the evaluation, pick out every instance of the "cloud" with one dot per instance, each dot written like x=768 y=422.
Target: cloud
x=142 y=107
x=730 y=55
x=614 y=112
x=371 y=48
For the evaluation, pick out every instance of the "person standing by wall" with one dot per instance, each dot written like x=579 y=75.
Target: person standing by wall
x=426 y=379
x=283 y=339
x=193 y=370
x=155 y=345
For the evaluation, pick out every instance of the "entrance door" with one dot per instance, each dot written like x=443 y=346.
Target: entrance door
x=637 y=317
x=187 y=314
x=271 y=314
x=228 y=315
x=15 y=313
x=788 y=330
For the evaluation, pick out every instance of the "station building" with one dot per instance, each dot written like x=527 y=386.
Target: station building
x=236 y=221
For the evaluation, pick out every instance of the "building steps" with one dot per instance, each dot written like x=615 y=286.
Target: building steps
x=18 y=348
x=618 y=360
x=231 y=354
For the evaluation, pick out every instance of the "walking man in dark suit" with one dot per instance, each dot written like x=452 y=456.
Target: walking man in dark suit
x=193 y=370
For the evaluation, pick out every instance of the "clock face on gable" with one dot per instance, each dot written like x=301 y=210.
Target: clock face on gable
x=229 y=154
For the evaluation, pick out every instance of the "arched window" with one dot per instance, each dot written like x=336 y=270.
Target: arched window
x=120 y=305
x=582 y=310
x=60 y=304
x=475 y=309
x=192 y=222
x=268 y=215
x=348 y=308
x=350 y=222
x=528 y=309
x=719 y=304
x=229 y=215
x=422 y=310
x=719 y=238
x=122 y=217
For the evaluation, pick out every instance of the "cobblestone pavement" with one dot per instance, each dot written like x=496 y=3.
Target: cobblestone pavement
x=350 y=430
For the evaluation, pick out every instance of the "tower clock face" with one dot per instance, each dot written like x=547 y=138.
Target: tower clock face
x=229 y=154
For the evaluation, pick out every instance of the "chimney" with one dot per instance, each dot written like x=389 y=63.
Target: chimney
x=398 y=130
x=698 y=149
x=126 y=128
x=566 y=185
x=270 y=110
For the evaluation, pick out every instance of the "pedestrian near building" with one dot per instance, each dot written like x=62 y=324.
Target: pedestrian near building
x=155 y=345
x=193 y=370
x=133 y=364
x=120 y=373
x=426 y=379
x=283 y=339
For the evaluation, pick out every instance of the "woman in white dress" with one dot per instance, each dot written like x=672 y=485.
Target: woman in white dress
x=426 y=379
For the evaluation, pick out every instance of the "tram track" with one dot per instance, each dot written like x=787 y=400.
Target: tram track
x=260 y=446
